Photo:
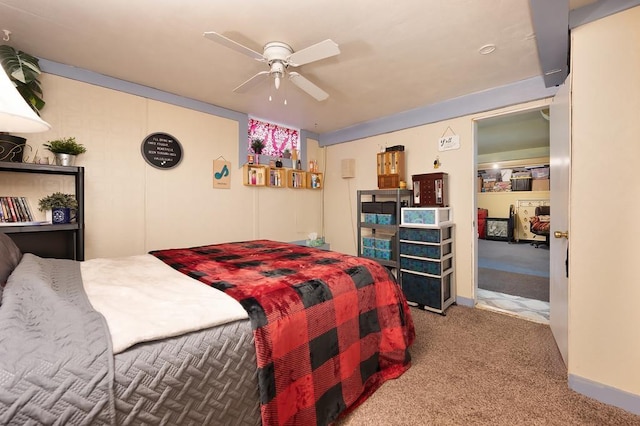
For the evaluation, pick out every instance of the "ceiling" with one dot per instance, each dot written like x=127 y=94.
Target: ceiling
x=514 y=132
x=395 y=56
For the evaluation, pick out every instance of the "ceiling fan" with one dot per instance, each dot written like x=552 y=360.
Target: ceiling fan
x=279 y=57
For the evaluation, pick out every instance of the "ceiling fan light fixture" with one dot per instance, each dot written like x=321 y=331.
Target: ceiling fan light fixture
x=280 y=57
x=277 y=71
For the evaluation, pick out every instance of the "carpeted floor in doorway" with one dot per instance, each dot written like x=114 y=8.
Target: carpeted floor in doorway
x=529 y=286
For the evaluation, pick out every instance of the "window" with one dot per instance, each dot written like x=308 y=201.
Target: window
x=276 y=138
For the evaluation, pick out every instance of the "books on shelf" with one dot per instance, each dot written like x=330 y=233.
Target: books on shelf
x=15 y=210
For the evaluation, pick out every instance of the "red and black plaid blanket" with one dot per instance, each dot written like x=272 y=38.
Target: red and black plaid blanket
x=329 y=328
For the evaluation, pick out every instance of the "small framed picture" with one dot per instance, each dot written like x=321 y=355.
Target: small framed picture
x=497 y=229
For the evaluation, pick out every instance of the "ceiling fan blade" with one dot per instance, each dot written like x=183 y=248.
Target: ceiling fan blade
x=324 y=49
x=233 y=45
x=308 y=86
x=252 y=82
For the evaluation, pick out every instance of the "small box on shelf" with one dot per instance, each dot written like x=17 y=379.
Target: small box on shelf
x=383 y=254
x=369 y=252
x=368 y=242
x=521 y=183
x=540 y=173
x=386 y=219
x=540 y=185
x=384 y=242
x=371 y=218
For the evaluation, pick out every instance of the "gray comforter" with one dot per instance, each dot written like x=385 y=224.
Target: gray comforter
x=56 y=362
x=57 y=365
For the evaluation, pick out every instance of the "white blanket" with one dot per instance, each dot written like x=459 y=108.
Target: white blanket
x=144 y=299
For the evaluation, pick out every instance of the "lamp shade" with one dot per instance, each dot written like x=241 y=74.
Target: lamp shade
x=15 y=113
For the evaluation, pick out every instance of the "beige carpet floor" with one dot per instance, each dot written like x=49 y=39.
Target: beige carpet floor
x=476 y=367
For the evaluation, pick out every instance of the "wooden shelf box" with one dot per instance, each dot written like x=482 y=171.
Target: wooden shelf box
x=315 y=180
x=390 y=169
x=296 y=179
x=277 y=178
x=254 y=175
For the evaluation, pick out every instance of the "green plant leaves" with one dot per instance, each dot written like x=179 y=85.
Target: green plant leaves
x=24 y=71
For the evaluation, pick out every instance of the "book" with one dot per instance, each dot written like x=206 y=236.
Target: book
x=5 y=211
x=16 y=210
x=12 y=210
x=26 y=210
x=20 y=213
x=28 y=207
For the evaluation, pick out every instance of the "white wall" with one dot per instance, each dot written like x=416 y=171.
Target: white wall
x=604 y=342
x=132 y=207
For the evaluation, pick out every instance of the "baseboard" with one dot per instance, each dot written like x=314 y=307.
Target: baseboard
x=607 y=394
x=463 y=301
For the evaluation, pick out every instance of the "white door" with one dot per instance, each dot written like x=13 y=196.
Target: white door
x=560 y=153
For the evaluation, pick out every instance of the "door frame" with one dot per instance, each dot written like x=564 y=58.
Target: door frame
x=539 y=105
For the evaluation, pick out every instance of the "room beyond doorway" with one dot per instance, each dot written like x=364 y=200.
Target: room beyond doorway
x=512 y=275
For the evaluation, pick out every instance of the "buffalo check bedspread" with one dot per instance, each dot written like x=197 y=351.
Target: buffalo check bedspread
x=329 y=328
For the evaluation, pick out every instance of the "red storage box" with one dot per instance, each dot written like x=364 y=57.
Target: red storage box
x=482 y=222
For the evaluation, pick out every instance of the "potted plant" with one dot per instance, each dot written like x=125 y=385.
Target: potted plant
x=257 y=145
x=23 y=70
x=60 y=206
x=286 y=153
x=65 y=150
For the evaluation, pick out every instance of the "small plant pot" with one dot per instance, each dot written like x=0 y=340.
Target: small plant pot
x=65 y=159
x=61 y=215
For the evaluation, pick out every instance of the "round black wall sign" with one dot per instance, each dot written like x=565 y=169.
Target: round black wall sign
x=161 y=150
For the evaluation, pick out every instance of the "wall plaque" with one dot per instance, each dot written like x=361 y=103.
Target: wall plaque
x=161 y=150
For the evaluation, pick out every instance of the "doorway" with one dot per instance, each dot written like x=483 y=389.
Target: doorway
x=512 y=158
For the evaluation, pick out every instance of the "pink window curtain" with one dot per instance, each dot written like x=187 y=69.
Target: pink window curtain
x=276 y=138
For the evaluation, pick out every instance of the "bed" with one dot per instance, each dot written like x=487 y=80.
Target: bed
x=279 y=334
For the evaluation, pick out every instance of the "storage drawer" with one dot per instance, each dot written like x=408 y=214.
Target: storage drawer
x=425 y=266
x=425 y=234
x=425 y=250
x=427 y=291
x=425 y=215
